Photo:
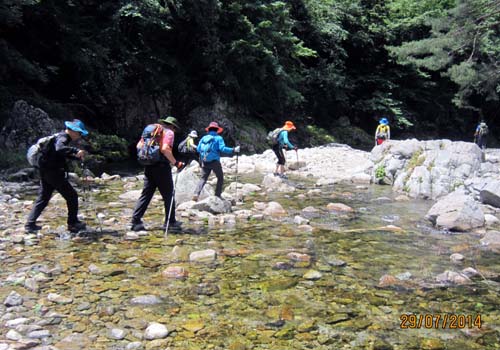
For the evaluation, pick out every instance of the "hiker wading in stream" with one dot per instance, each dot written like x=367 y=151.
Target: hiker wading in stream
x=279 y=140
x=210 y=148
x=53 y=175
x=154 y=151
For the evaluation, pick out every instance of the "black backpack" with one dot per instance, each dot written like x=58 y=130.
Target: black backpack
x=37 y=152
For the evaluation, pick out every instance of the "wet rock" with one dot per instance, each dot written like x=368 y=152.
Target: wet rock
x=333 y=261
x=457 y=257
x=299 y=220
x=39 y=334
x=206 y=289
x=59 y=299
x=16 y=322
x=13 y=299
x=75 y=341
x=146 y=300
x=490 y=194
x=312 y=275
x=405 y=276
x=294 y=256
x=131 y=236
x=453 y=277
x=470 y=272
x=203 y=255
x=156 y=331
x=274 y=209
x=176 y=272
x=280 y=265
x=340 y=207
x=136 y=345
x=117 y=333
x=456 y=212
x=491 y=238
x=387 y=281
x=130 y=196
x=13 y=335
x=213 y=205
x=306 y=228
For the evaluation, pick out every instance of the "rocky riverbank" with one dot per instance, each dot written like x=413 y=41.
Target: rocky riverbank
x=325 y=259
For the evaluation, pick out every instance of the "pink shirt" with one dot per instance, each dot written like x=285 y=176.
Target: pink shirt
x=167 y=138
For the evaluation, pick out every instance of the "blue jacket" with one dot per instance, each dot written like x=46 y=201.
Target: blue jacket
x=283 y=139
x=217 y=147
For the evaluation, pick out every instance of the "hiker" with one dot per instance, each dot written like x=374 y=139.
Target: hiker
x=158 y=174
x=278 y=146
x=383 y=132
x=53 y=176
x=481 y=135
x=210 y=148
x=187 y=148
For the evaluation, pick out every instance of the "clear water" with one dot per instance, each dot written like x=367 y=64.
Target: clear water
x=243 y=301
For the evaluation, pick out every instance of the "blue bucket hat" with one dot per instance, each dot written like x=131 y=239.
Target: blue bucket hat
x=384 y=121
x=76 y=125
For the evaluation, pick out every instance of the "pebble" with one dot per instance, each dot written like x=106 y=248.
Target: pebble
x=13 y=299
x=117 y=334
x=156 y=331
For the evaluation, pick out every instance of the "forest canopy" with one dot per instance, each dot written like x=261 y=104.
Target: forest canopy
x=431 y=66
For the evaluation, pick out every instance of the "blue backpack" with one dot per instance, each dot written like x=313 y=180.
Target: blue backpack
x=149 y=148
x=205 y=147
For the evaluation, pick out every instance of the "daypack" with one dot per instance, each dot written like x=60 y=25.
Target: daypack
x=483 y=129
x=205 y=147
x=182 y=148
x=383 y=132
x=272 y=136
x=148 y=147
x=37 y=151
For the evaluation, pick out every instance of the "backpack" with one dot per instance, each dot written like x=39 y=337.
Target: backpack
x=272 y=136
x=148 y=147
x=182 y=148
x=483 y=129
x=37 y=151
x=205 y=147
x=383 y=132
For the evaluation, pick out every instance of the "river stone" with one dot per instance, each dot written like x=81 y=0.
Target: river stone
x=146 y=300
x=457 y=257
x=75 y=341
x=13 y=335
x=313 y=275
x=490 y=220
x=491 y=238
x=156 y=331
x=39 y=334
x=299 y=220
x=274 y=209
x=16 y=322
x=294 y=256
x=117 y=334
x=177 y=272
x=13 y=299
x=452 y=277
x=130 y=196
x=203 y=255
x=213 y=205
x=59 y=299
x=339 y=207
x=491 y=194
x=456 y=212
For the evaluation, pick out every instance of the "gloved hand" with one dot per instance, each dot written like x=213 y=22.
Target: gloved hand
x=179 y=165
x=237 y=149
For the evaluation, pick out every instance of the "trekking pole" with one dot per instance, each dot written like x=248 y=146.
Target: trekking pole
x=171 y=203
x=86 y=192
x=236 y=179
x=297 y=154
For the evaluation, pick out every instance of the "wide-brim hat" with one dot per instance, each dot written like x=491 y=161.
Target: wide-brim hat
x=384 y=121
x=214 y=125
x=193 y=133
x=171 y=121
x=76 y=125
x=289 y=126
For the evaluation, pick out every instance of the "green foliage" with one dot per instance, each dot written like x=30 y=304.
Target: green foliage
x=10 y=159
x=110 y=148
x=318 y=136
x=380 y=172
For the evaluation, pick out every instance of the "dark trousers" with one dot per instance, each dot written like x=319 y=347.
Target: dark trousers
x=206 y=169
x=481 y=141
x=156 y=176
x=50 y=180
x=280 y=154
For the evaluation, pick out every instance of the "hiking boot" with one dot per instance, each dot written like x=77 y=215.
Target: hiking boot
x=139 y=226
x=32 y=228
x=77 y=226
x=195 y=198
x=175 y=226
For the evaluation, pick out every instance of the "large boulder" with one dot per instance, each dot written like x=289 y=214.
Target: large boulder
x=456 y=212
x=26 y=125
x=490 y=194
x=214 y=205
x=186 y=185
